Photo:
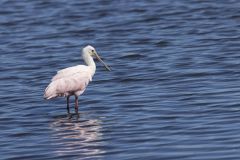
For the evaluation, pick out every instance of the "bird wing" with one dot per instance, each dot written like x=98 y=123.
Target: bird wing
x=67 y=72
x=68 y=83
x=73 y=83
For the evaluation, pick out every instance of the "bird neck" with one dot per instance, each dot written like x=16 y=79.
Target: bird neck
x=90 y=62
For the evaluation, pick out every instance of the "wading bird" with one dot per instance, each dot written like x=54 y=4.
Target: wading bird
x=73 y=81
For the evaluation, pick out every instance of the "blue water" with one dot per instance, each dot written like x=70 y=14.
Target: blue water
x=173 y=94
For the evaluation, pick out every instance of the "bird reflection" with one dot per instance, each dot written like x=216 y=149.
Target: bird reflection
x=77 y=137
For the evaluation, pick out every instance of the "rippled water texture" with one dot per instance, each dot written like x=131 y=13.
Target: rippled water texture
x=174 y=92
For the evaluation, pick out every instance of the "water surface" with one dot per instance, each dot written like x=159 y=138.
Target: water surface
x=174 y=92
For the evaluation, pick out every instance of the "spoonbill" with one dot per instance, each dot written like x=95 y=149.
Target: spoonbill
x=72 y=81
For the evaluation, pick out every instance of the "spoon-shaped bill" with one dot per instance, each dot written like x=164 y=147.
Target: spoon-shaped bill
x=105 y=65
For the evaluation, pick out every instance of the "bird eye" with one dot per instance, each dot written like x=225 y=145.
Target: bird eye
x=92 y=51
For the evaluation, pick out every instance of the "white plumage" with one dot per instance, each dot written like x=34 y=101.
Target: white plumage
x=69 y=81
x=74 y=80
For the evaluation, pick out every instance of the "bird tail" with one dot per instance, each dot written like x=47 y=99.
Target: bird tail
x=50 y=91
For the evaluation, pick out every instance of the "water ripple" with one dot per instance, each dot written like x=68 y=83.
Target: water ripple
x=173 y=92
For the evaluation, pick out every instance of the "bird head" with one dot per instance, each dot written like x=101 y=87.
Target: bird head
x=93 y=53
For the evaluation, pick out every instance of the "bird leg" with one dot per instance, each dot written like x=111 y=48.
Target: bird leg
x=68 y=110
x=76 y=105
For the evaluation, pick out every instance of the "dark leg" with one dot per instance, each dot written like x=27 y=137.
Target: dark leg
x=76 y=105
x=68 y=110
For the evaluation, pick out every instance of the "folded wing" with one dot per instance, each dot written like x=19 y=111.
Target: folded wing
x=72 y=80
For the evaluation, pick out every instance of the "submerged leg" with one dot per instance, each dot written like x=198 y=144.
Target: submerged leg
x=76 y=105
x=68 y=110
